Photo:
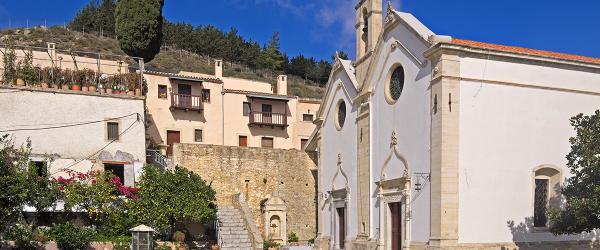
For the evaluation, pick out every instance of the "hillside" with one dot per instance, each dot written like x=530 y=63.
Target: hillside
x=172 y=60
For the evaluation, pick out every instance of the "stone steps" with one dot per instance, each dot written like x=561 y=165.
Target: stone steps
x=234 y=235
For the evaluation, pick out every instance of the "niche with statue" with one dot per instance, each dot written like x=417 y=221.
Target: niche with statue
x=275 y=217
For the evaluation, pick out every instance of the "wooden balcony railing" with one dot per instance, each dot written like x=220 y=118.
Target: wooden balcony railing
x=186 y=102
x=268 y=119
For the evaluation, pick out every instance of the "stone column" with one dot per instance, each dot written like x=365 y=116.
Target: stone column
x=445 y=96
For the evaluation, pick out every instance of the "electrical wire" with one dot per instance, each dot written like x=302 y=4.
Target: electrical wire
x=69 y=125
x=99 y=150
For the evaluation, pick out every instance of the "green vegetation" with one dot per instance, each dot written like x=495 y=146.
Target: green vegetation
x=161 y=199
x=96 y=17
x=188 y=48
x=582 y=191
x=138 y=26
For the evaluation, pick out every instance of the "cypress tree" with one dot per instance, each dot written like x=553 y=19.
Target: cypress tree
x=138 y=26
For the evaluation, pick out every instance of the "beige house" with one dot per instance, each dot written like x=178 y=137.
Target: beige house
x=211 y=109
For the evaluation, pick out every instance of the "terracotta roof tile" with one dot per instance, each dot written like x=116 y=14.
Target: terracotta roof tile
x=245 y=92
x=526 y=51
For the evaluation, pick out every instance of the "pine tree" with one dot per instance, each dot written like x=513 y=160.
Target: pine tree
x=272 y=57
x=138 y=26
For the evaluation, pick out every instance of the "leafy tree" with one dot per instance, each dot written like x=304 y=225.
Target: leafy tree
x=138 y=25
x=13 y=181
x=166 y=197
x=582 y=191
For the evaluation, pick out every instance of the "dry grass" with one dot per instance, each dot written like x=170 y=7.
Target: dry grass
x=168 y=60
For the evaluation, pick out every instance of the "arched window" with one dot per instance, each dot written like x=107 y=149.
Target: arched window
x=547 y=182
x=341 y=114
x=365 y=29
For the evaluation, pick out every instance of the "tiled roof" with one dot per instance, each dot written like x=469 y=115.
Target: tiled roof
x=245 y=92
x=526 y=51
x=207 y=79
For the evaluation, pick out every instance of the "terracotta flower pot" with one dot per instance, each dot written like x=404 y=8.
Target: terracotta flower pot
x=20 y=82
x=109 y=91
x=65 y=87
x=54 y=86
x=85 y=89
x=45 y=85
x=76 y=87
x=131 y=93
x=214 y=246
x=92 y=89
x=138 y=92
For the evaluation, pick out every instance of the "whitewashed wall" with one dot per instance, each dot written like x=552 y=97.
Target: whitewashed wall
x=67 y=145
x=343 y=142
x=506 y=132
x=409 y=117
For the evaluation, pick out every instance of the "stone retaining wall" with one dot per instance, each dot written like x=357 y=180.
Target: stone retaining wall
x=258 y=172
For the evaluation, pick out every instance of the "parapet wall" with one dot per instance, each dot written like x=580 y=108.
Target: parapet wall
x=258 y=172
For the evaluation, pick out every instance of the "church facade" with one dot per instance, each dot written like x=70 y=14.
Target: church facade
x=433 y=142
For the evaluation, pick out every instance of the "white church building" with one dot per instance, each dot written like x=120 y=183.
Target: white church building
x=432 y=142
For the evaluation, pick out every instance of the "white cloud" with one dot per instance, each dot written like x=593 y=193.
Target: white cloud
x=338 y=13
x=297 y=7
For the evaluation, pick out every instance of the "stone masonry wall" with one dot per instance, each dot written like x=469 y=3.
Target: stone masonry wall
x=258 y=172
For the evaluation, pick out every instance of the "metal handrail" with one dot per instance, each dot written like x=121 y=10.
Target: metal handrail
x=154 y=156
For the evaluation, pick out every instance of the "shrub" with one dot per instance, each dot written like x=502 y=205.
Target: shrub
x=270 y=244
x=41 y=235
x=22 y=235
x=179 y=236
x=70 y=237
x=292 y=237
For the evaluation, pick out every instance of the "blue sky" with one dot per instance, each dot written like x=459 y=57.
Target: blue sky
x=320 y=27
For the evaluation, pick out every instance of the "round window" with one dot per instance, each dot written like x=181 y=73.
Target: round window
x=341 y=114
x=396 y=84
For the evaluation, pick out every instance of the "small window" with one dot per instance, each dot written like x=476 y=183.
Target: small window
x=303 y=143
x=112 y=130
x=40 y=168
x=206 y=95
x=247 y=108
x=162 y=91
x=266 y=142
x=243 y=141
x=116 y=169
x=341 y=114
x=198 y=135
x=541 y=203
x=307 y=117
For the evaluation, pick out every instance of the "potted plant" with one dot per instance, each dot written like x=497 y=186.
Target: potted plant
x=88 y=80
x=28 y=73
x=19 y=78
x=53 y=74
x=9 y=62
x=270 y=245
x=65 y=79
x=44 y=76
x=78 y=77
x=214 y=245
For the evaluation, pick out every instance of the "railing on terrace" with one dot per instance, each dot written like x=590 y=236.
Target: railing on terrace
x=155 y=157
x=268 y=119
x=49 y=66
x=186 y=102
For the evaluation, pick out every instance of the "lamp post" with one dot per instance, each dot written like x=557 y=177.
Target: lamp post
x=141 y=237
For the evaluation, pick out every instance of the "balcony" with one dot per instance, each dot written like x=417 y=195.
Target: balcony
x=268 y=119
x=186 y=102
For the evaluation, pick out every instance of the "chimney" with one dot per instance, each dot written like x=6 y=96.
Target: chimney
x=282 y=85
x=219 y=68
x=52 y=51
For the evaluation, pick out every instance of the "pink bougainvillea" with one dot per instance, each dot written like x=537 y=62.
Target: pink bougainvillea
x=91 y=178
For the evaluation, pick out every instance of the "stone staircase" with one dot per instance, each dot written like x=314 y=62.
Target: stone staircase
x=234 y=235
